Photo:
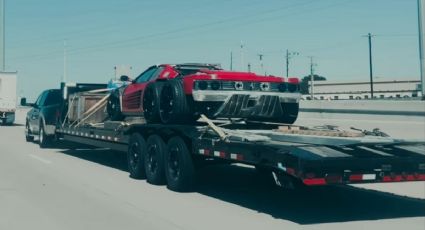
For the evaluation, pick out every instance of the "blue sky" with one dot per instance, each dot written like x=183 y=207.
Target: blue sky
x=103 y=33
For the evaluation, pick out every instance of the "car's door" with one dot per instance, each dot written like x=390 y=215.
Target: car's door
x=132 y=95
x=35 y=112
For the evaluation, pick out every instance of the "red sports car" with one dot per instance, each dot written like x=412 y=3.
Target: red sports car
x=180 y=93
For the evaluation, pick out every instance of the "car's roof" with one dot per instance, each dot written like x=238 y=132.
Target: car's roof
x=197 y=65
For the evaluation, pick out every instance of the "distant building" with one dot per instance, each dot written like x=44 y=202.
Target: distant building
x=325 y=90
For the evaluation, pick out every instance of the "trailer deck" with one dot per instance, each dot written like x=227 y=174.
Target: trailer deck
x=315 y=157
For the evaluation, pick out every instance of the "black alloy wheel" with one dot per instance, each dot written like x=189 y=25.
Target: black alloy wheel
x=179 y=168
x=154 y=161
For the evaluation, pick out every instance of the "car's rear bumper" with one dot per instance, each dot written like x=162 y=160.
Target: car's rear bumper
x=223 y=95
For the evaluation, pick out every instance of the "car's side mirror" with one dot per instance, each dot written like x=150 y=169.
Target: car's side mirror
x=24 y=101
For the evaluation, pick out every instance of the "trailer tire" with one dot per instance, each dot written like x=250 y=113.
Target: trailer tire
x=179 y=167
x=136 y=156
x=151 y=102
x=154 y=160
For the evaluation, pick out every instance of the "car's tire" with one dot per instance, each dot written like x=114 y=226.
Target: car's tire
x=113 y=107
x=151 y=102
x=44 y=140
x=154 y=160
x=290 y=113
x=179 y=167
x=28 y=136
x=173 y=106
x=136 y=156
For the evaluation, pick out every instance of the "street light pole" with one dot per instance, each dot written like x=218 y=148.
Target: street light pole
x=289 y=55
x=2 y=36
x=370 y=65
x=421 y=22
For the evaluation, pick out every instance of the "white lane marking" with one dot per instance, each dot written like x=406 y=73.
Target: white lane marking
x=40 y=159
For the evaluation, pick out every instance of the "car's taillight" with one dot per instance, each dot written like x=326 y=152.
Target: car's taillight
x=215 y=85
x=202 y=85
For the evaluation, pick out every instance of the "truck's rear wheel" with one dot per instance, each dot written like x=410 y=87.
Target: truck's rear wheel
x=179 y=168
x=154 y=160
x=44 y=140
x=28 y=136
x=136 y=156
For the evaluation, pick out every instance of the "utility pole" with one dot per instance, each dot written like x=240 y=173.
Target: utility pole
x=369 y=36
x=421 y=22
x=289 y=55
x=231 y=60
x=242 y=56
x=64 y=78
x=260 y=56
x=312 y=64
x=2 y=36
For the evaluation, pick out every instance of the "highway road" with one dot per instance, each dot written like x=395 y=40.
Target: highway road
x=83 y=188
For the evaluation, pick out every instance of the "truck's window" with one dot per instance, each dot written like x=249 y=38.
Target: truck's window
x=40 y=98
x=53 y=98
x=145 y=76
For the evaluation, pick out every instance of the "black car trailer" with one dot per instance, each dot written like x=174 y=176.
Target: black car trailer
x=294 y=155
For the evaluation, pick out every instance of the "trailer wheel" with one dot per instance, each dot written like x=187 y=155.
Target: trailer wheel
x=154 y=160
x=28 y=136
x=151 y=102
x=179 y=168
x=173 y=106
x=290 y=113
x=44 y=140
x=136 y=156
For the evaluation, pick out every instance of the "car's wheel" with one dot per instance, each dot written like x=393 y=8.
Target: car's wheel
x=28 y=136
x=290 y=113
x=43 y=139
x=173 y=106
x=179 y=168
x=114 y=108
x=154 y=160
x=136 y=156
x=151 y=102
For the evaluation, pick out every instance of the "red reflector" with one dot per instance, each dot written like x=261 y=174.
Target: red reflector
x=315 y=181
x=410 y=177
x=206 y=152
x=331 y=179
x=421 y=177
x=397 y=178
x=290 y=171
x=356 y=177
x=386 y=179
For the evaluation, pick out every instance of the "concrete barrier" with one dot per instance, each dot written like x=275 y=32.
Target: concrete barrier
x=400 y=108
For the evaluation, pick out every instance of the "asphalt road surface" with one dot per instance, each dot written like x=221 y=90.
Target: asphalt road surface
x=83 y=188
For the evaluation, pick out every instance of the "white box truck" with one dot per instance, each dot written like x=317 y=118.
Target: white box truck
x=7 y=97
